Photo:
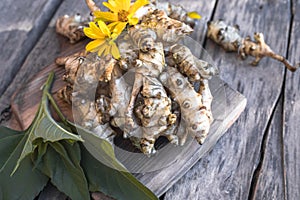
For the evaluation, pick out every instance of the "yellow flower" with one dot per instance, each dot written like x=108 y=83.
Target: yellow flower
x=120 y=11
x=103 y=37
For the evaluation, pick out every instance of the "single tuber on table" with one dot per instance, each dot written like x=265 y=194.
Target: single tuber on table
x=228 y=37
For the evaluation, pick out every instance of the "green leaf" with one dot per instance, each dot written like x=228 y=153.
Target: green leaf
x=44 y=127
x=5 y=150
x=39 y=153
x=115 y=180
x=4 y=132
x=112 y=182
x=61 y=163
x=53 y=151
x=16 y=187
x=100 y=148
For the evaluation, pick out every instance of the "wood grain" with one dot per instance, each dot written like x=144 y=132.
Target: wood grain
x=25 y=100
x=269 y=183
x=291 y=118
x=44 y=52
x=19 y=31
x=227 y=172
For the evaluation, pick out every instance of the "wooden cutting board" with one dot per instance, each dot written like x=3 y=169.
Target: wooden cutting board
x=227 y=106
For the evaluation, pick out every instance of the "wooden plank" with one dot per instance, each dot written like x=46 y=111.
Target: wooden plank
x=24 y=109
x=22 y=23
x=44 y=52
x=227 y=172
x=270 y=181
x=291 y=132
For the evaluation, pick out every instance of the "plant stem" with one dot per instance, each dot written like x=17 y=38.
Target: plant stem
x=57 y=110
x=48 y=84
x=47 y=96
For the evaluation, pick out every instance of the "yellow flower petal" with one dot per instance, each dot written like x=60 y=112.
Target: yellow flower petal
x=119 y=4
x=106 y=16
x=194 y=15
x=94 y=45
x=113 y=3
x=96 y=30
x=125 y=4
x=112 y=25
x=139 y=3
x=111 y=7
x=102 y=49
x=115 y=51
x=133 y=20
x=89 y=33
x=104 y=28
x=117 y=27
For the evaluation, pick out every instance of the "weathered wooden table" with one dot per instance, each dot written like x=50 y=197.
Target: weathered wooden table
x=258 y=157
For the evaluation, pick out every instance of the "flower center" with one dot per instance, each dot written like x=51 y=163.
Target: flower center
x=122 y=15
